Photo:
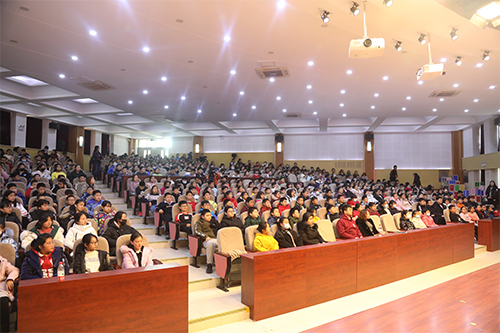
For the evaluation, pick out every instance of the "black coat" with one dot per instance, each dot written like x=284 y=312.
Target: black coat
x=284 y=238
x=79 y=263
x=366 y=231
x=310 y=234
x=113 y=232
x=73 y=174
x=234 y=222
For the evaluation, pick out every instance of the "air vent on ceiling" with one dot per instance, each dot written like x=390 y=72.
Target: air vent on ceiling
x=292 y=115
x=270 y=70
x=93 y=85
x=444 y=93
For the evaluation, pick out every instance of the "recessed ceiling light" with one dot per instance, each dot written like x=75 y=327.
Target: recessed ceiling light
x=272 y=79
x=441 y=99
x=466 y=110
x=93 y=33
x=85 y=100
x=183 y=98
x=164 y=78
x=130 y=102
x=376 y=95
x=404 y=109
x=373 y=107
x=199 y=111
x=455 y=85
x=26 y=80
x=310 y=102
x=284 y=110
x=166 y=107
x=145 y=49
x=74 y=58
x=341 y=104
x=281 y=4
x=344 y=115
x=479 y=65
x=385 y=78
x=476 y=100
x=278 y=98
x=342 y=91
x=349 y=72
x=254 y=107
x=234 y=114
x=62 y=76
x=227 y=38
x=443 y=59
x=242 y=93
x=491 y=87
x=309 y=86
x=315 y=113
x=145 y=92
x=434 y=110
x=420 y=82
x=232 y=72
x=310 y=63
x=408 y=97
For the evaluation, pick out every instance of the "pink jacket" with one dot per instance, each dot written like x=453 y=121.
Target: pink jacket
x=130 y=258
x=428 y=221
x=7 y=272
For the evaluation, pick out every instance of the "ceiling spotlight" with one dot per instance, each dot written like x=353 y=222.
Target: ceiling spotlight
x=310 y=63
x=408 y=97
x=388 y=3
x=420 y=82
x=455 y=85
x=466 y=110
x=453 y=34
x=315 y=113
x=434 y=110
x=74 y=58
x=183 y=98
x=93 y=33
x=479 y=65
x=199 y=111
x=441 y=99
x=458 y=61
x=476 y=100
x=166 y=106
x=342 y=91
x=324 y=16
x=145 y=49
x=422 y=39
x=376 y=94
x=341 y=104
x=443 y=60
x=130 y=102
x=242 y=93
x=164 y=78
x=310 y=102
x=145 y=92
x=281 y=4
x=309 y=86
x=354 y=8
x=234 y=114
x=373 y=107
x=227 y=38
x=62 y=76
x=254 y=107
x=232 y=72
x=349 y=72
x=284 y=110
x=492 y=87
x=272 y=79
x=278 y=98
x=403 y=108
x=398 y=46
x=385 y=78
x=344 y=115
x=486 y=55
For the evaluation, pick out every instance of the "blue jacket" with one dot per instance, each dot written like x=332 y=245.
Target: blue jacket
x=31 y=268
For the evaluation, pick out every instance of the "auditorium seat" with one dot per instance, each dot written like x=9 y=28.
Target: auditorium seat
x=7 y=251
x=322 y=213
x=274 y=228
x=285 y=213
x=388 y=223
x=228 y=269
x=266 y=215
x=15 y=229
x=123 y=240
x=334 y=224
x=376 y=221
x=244 y=216
x=196 y=248
x=325 y=229
x=446 y=214
x=250 y=236
x=397 y=218
x=174 y=226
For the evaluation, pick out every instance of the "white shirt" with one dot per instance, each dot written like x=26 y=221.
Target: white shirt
x=92 y=261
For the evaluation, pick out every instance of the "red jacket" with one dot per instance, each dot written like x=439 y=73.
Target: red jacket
x=347 y=228
x=283 y=208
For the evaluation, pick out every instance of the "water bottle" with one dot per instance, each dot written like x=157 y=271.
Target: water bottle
x=60 y=271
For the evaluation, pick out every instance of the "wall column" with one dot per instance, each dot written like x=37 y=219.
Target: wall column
x=197 y=146
x=457 y=153
x=80 y=131
x=369 y=148
x=131 y=146
x=279 y=149
x=18 y=130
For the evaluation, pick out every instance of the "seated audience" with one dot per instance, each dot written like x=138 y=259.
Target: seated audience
x=43 y=208
x=102 y=217
x=365 y=224
x=332 y=212
x=152 y=198
x=253 y=217
x=427 y=218
x=286 y=236
x=135 y=254
x=454 y=216
x=7 y=215
x=273 y=216
x=43 y=226
x=204 y=229
x=264 y=240
x=437 y=211
x=308 y=230
x=184 y=218
x=416 y=219
x=43 y=259
x=346 y=226
x=93 y=202
x=231 y=220
x=8 y=274
x=294 y=216
x=7 y=237
x=88 y=259
x=283 y=205
x=117 y=227
x=266 y=206
x=405 y=221
x=165 y=208
x=81 y=226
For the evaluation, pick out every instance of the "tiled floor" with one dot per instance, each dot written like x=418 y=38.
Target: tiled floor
x=300 y=320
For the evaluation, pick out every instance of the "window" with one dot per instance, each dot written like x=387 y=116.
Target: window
x=5 y=128
x=34 y=133
x=481 y=139
x=62 y=138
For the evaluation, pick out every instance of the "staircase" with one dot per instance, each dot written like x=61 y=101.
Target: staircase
x=208 y=306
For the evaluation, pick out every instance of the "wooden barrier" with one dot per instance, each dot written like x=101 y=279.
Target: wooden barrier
x=285 y=280
x=149 y=299
x=489 y=234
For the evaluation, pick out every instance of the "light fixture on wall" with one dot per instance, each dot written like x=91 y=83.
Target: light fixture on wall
x=279 y=147
x=369 y=146
x=80 y=141
x=197 y=148
x=354 y=9
x=453 y=34
x=324 y=16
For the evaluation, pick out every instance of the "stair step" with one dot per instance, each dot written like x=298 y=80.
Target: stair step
x=479 y=249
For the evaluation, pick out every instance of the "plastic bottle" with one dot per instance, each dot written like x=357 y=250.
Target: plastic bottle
x=60 y=271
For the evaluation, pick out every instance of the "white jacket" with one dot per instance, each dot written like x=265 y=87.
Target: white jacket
x=28 y=236
x=76 y=232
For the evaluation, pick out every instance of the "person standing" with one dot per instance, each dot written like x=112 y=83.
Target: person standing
x=393 y=176
x=95 y=163
x=416 y=180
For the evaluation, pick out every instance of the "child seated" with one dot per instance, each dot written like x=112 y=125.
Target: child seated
x=184 y=218
x=93 y=202
x=274 y=217
x=6 y=238
x=190 y=200
x=253 y=217
x=264 y=240
x=135 y=254
x=266 y=206
x=207 y=205
x=104 y=216
x=152 y=198
x=283 y=205
x=203 y=228
x=88 y=259
x=80 y=228
x=405 y=221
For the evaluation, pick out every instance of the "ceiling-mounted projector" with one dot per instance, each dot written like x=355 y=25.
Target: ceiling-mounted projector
x=366 y=47
x=431 y=70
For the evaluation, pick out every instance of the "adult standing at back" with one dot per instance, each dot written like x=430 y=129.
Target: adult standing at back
x=393 y=176
x=95 y=162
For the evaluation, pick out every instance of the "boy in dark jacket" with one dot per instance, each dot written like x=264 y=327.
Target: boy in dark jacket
x=184 y=218
x=286 y=236
x=308 y=230
x=253 y=217
x=117 y=227
x=204 y=230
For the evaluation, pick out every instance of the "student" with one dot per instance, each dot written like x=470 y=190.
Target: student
x=207 y=205
x=253 y=217
x=294 y=216
x=266 y=206
x=80 y=228
x=273 y=217
x=229 y=195
x=372 y=209
x=87 y=195
x=365 y=224
x=286 y=236
x=140 y=195
x=7 y=238
x=300 y=203
x=437 y=211
x=10 y=197
x=427 y=218
x=312 y=211
x=454 y=216
x=314 y=203
x=7 y=215
x=43 y=258
x=165 y=208
x=117 y=227
x=416 y=219
x=308 y=230
x=184 y=218
x=405 y=221
x=332 y=212
x=206 y=197
x=93 y=202
x=264 y=240
x=88 y=259
x=473 y=215
x=231 y=220
x=283 y=205
x=135 y=254
x=346 y=227
x=43 y=226
x=13 y=188
x=393 y=209
x=249 y=202
x=9 y=273
x=203 y=228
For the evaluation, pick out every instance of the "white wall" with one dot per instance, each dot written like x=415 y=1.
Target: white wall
x=468 y=142
x=490 y=137
x=49 y=135
x=17 y=135
x=413 y=150
x=324 y=147
x=181 y=145
x=119 y=145
x=238 y=144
